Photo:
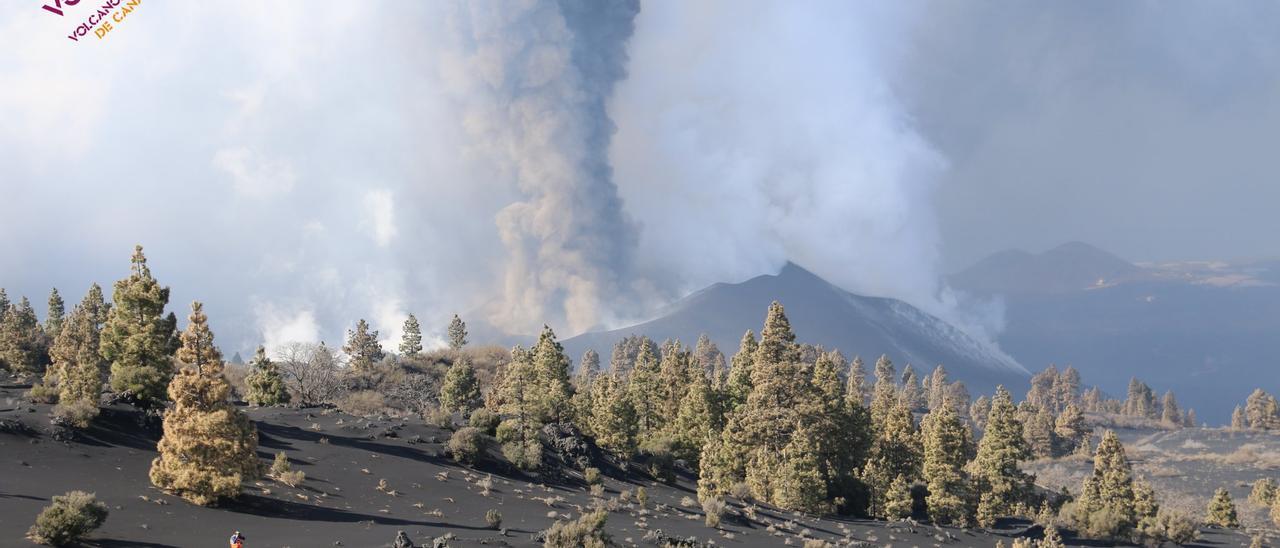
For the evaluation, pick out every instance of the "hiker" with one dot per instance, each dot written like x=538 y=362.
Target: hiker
x=237 y=540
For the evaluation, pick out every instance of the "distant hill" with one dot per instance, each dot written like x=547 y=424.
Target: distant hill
x=1209 y=331
x=821 y=314
x=1068 y=267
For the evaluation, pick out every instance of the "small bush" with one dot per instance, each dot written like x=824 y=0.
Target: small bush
x=740 y=490
x=592 y=475
x=363 y=403
x=486 y=420
x=597 y=490
x=493 y=518
x=642 y=496
x=507 y=431
x=439 y=418
x=468 y=445
x=292 y=478
x=1176 y=528
x=77 y=413
x=586 y=532
x=68 y=519
x=714 y=509
x=281 y=464
x=43 y=393
x=525 y=456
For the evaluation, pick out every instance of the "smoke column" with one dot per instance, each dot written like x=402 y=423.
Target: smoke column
x=532 y=79
x=770 y=134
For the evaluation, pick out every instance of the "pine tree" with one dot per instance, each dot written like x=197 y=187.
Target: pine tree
x=695 y=420
x=588 y=365
x=137 y=337
x=1189 y=419
x=551 y=377
x=801 y=483
x=1170 y=413
x=1222 y=511
x=23 y=345
x=411 y=340
x=457 y=333
x=1264 y=492
x=897 y=499
x=1070 y=427
x=78 y=363
x=643 y=390
x=460 y=392
x=995 y=469
x=4 y=304
x=1052 y=538
x=946 y=447
x=363 y=347
x=739 y=384
x=1141 y=401
x=884 y=395
x=1038 y=430
x=57 y=311
x=856 y=390
x=1238 y=420
x=1107 y=499
x=613 y=417
x=1043 y=394
x=516 y=396
x=625 y=352
x=1091 y=401
x=895 y=452
x=1261 y=410
x=266 y=385
x=938 y=385
x=1067 y=387
x=711 y=360
x=209 y=447
x=912 y=394
x=979 y=410
x=675 y=371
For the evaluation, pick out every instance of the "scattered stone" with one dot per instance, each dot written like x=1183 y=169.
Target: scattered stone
x=402 y=541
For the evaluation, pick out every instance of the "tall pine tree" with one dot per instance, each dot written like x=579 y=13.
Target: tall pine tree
x=457 y=333
x=137 y=337
x=995 y=468
x=363 y=347
x=266 y=385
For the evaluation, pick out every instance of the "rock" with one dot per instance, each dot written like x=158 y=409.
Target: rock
x=566 y=441
x=402 y=541
x=16 y=427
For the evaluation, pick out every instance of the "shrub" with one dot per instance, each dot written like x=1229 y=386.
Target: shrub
x=586 y=532
x=292 y=478
x=740 y=490
x=468 y=445
x=43 y=393
x=507 y=431
x=1176 y=528
x=642 y=496
x=364 y=403
x=493 y=518
x=68 y=519
x=281 y=464
x=597 y=490
x=486 y=420
x=77 y=413
x=592 y=475
x=1264 y=492
x=714 y=509
x=525 y=456
x=439 y=418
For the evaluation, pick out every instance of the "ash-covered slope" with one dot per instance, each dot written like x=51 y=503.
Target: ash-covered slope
x=821 y=314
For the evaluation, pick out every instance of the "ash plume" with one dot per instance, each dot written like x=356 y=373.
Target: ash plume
x=532 y=80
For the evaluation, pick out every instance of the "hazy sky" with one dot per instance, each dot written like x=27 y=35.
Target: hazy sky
x=298 y=166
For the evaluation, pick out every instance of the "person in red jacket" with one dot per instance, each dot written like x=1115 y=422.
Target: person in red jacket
x=237 y=540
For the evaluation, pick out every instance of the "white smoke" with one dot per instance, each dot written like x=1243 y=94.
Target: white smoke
x=776 y=137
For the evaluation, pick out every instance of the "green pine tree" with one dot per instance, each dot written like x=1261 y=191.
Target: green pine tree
x=460 y=392
x=363 y=347
x=411 y=340
x=1222 y=511
x=551 y=374
x=739 y=384
x=57 y=311
x=695 y=420
x=457 y=333
x=266 y=385
x=895 y=452
x=946 y=447
x=897 y=499
x=77 y=357
x=137 y=337
x=995 y=468
x=24 y=348
x=884 y=396
x=1106 y=506
x=856 y=390
x=613 y=417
